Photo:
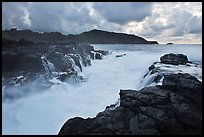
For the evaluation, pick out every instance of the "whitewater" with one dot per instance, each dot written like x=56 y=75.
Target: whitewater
x=46 y=111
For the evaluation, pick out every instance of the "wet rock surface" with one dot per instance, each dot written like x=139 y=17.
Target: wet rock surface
x=27 y=57
x=174 y=59
x=120 y=55
x=172 y=108
x=158 y=70
x=98 y=56
x=165 y=109
x=24 y=61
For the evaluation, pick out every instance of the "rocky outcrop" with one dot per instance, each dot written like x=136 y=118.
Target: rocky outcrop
x=174 y=59
x=29 y=60
x=170 y=43
x=172 y=108
x=27 y=57
x=120 y=55
x=98 y=56
x=103 y=52
x=158 y=70
x=153 y=42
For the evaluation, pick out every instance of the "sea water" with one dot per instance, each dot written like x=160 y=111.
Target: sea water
x=46 y=111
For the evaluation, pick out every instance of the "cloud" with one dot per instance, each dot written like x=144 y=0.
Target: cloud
x=63 y=17
x=155 y=21
x=170 y=21
x=68 y=17
x=123 y=12
x=195 y=25
x=15 y=15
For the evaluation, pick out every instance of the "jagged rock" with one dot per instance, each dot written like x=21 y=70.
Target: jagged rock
x=87 y=48
x=24 y=58
x=76 y=59
x=98 y=56
x=174 y=59
x=172 y=108
x=158 y=70
x=166 y=109
x=184 y=84
x=103 y=52
x=151 y=67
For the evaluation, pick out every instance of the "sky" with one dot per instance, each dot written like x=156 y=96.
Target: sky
x=177 y=22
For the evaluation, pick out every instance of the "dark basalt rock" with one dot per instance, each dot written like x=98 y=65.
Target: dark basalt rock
x=103 y=52
x=158 y=70
x=24 y=58
x=67 y=74
x=174 y=59
x=98 y=56
x=184 y=84
x=151 y=67
x=172 y=108
x=120 y=55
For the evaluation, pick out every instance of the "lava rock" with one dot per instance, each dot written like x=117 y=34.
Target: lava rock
x=24 y=58
x=167 y=109
x=98 y=56
x=174 y=107
x=174 y=59
x=120 y=55
x=103 y=52
x=151 y=67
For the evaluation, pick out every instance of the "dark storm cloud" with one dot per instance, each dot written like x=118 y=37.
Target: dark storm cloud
x=49 y=16
x=121 y=12
x=63 y=17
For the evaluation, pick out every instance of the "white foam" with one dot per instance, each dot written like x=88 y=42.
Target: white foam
x=192 y=69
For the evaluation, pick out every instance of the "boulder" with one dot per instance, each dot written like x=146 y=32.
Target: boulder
x=174 y=59
x=103 y=52
x=158 y=70
x=120 y=55
x=98 y=56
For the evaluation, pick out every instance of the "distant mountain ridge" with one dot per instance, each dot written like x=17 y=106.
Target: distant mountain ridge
x=92 y=37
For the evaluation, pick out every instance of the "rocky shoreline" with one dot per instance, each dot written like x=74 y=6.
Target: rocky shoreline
x=25 y=62
x=172 y=107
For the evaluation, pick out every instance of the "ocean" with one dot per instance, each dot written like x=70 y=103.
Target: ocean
x=44 y=112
